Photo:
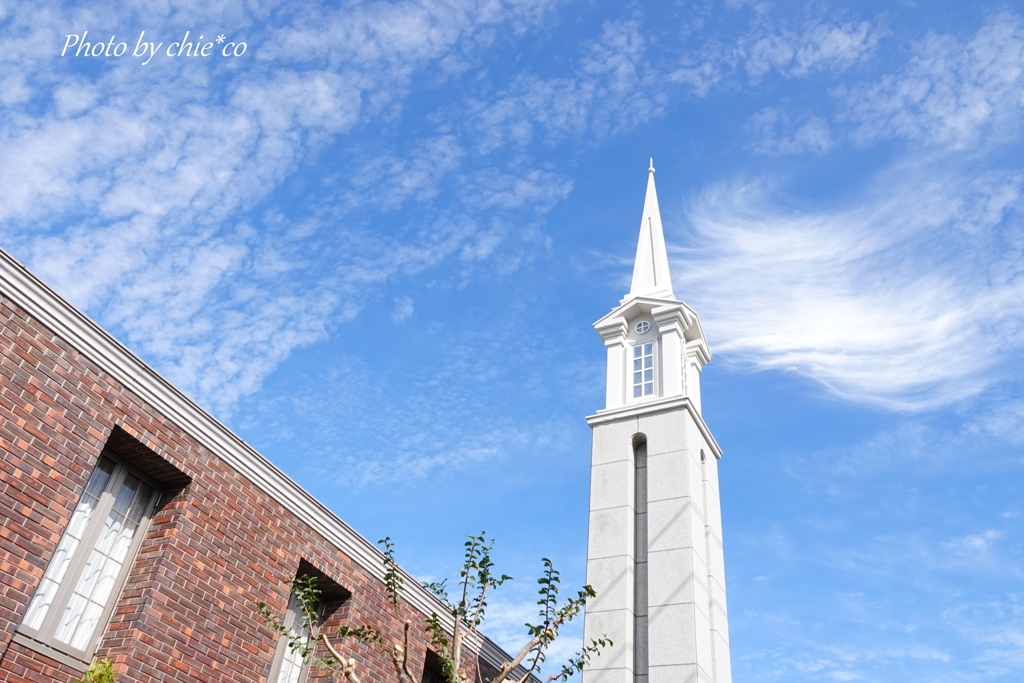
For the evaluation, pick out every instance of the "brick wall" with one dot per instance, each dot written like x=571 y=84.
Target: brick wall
x=215 y=545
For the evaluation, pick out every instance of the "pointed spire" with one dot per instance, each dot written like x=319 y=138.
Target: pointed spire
x=650 y=270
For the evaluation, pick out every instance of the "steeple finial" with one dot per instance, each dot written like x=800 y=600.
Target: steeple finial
x=650 y=270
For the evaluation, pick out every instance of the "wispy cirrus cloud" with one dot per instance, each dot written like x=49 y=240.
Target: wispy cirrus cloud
x=905 y=298
x=909 y=296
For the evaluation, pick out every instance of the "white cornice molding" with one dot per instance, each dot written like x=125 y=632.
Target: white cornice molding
x=670 y=318
x=30 y=293
x=612 y=331
x=663 y=311
x=698 y=350
x=632 y=305
x=661 y=405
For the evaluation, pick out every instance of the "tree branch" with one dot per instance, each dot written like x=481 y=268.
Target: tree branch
x=508 y=667
x=457 y=643
x=479 y=606
x=405 y=658
x=348 y=666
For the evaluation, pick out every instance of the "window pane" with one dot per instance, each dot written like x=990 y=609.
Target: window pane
x=90 y=573
x=291 y=665
x=96 y=583
x=86 y=625
x=124 y=541
x=140 y=505
x=79 y=520
x=111 y=527
x=124 y=497
x=106 y=580
x=65 y=552
x=100 y=477
x=68 y=622
x=643 y=381
x=62 y=558
x=40 y=603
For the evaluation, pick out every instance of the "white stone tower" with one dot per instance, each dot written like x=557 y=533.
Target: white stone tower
x=654 y=553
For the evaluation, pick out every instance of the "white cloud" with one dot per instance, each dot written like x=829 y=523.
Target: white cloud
x=127 y=189
x=386 y=179
x=435 y=411
x=818 y=45
x=901 y=557
x=620 y=83
x=1004 y=420
x=994 y=628
x=950 y=93
x=404 y=309
x=774 y=132
x=430 y=428
x=973 y=544
x=700 y=73
x=537 y=188
x=905 y=298
x=613 y=89
x=400 y=35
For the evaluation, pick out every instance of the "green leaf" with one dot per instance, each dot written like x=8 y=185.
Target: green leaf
x=99 y=672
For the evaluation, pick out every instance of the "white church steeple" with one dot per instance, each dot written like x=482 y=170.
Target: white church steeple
x=654 y=551
x=651 y=326
x=650 y=270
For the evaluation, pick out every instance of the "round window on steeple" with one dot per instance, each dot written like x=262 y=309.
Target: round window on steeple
x=642 y=327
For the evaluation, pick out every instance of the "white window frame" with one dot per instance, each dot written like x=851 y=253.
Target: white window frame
x=68 y=580
x=653 y=370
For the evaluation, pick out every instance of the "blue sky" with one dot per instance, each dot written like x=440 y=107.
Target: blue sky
x=374 y=243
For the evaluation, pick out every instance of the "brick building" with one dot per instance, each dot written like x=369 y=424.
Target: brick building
x=136 y=527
